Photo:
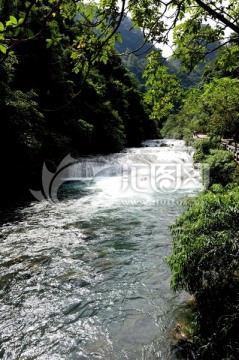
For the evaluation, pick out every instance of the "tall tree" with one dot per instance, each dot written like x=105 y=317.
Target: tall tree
x=156 y=19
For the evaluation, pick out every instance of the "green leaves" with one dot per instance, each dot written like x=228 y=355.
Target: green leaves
x=11 y=22
x=205 y=263
x=212 y=108
x=163 y=89
x=3 y=49
x=89 y=12
x=155 y=18
x=49 y=43
x=30 y=33
x=2 y=28
x=21 y=21
x=221 y=99
x=104 y=58
x=119 y=37
x=208 y=220
x=193 y=40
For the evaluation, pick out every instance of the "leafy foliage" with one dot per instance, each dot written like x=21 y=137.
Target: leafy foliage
x=101 y=20
x=195 y=42
x=211 y=108
x=222 y=167
x=188 y=120
x=48 y=110
x=97 y=26
x=164 y=90
x=205 y=263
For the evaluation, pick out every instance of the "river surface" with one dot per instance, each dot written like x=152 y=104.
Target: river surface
x=86 y=277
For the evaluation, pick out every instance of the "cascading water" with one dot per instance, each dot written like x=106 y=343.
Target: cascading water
x=86 y=277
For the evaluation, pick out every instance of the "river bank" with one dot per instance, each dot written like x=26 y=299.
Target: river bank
x=204 y=260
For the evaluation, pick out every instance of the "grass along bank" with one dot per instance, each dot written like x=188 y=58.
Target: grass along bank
x=205 y=257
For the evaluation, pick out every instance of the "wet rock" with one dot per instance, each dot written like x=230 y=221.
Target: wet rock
x=6 y=280
x=184 y=350
x=75 y=282
x=79 y=282
x=17 y=260
x=2 y=352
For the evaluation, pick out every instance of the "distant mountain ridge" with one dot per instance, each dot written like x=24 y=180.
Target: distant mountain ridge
x=135 y=62
x=132 y=39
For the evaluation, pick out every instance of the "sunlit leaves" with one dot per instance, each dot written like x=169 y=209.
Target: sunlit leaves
x=89 y=12
x=163 y=89
x=12 y=21
x=211 y=108
x=220 y=97
x=147 y=15
x=104 y=58
x=118 y=37
x=228 y=59
x=3 y=49
x=192 y=40
x=1 y=26
x=49 y=43
x=208 y=221
x=20 y=21
x=100 y=20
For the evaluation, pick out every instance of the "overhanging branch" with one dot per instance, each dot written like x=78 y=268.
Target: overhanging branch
x=218 y=16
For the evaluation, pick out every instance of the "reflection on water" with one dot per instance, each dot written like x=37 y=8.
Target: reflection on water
x=87 y=278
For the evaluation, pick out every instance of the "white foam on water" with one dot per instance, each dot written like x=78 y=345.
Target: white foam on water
x=159 y=166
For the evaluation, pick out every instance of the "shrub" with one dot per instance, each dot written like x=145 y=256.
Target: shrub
x=205 y=263
x=220 y=163
x=222 y=167
x=203 y=148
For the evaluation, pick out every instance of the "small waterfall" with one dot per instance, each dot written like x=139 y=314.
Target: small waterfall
x=158 y=166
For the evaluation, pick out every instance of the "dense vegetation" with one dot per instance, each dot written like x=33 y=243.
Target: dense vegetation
x=204 y=261
x=48 y=110
x=134 y=51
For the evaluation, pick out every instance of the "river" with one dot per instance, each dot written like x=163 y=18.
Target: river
x=86 y=277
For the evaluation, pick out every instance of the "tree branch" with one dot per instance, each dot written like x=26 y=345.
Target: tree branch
x=218 y=16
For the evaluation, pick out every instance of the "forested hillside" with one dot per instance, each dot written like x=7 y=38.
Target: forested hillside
x=42 y=118
x=52 y=106
x=212 y=106
x=134 y=49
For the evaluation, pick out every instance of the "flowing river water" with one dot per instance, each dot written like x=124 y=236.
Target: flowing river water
x=86 y=277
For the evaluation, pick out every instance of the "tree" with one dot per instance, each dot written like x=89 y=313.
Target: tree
x=156 y=19
x=220 y=97
x=164 y=89
x=29 y=21
x=211 y=108
x=98 y=22
x=46 y=113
